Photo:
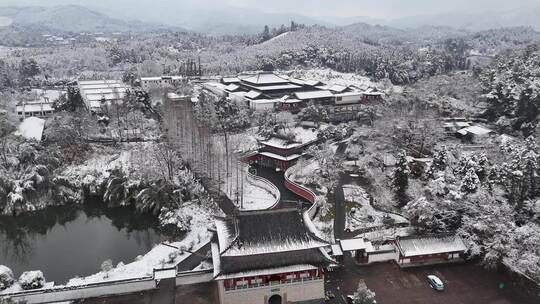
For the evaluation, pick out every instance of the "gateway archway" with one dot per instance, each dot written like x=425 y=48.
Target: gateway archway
x=275 y=299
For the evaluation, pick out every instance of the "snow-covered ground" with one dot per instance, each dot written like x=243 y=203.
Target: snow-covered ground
x=31 y=128
x=363 y=215
x=162 y=255
x=278 y=37
x=257 y=197
x=304 y=172
x=256 y=194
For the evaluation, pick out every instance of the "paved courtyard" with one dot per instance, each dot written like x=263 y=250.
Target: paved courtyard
x=464 y=283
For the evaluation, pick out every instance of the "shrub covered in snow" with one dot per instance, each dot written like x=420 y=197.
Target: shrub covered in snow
x=32 y=279
x=176 y=220
x=6 y=277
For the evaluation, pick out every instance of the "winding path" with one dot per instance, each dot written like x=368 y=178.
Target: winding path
x=288 y=198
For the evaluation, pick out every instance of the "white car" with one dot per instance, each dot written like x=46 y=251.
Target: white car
x=435 y=282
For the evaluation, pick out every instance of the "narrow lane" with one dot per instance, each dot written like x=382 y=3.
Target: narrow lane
x=339 y=197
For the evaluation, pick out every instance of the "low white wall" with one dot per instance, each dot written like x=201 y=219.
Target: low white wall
x=383 y=257
x=68 y=294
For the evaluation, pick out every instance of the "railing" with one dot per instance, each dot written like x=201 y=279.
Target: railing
x=265 y=184
x=303 y=192
x=298 y=189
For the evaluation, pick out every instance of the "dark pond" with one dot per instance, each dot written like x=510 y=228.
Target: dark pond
x=69 y=241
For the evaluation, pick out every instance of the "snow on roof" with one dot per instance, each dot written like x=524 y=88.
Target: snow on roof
x=304 y=135
x=313 y=95
x=336 y=250
x=463 y=124
x=110 y=96
x=338 y=88
x=354 y=93
x=216 y=261
x=312 y=83
x=104 y=90
x=260 y=240
x=258 y=232
x=232 y=87
x=156 y=78
x=101 y=86
x=288 y=86
x=34 y=107
x=225 y=237
x=379 y=248
x=265 y=79
x=230 y=80
x=415 y=245
x=47 y=95
x=267 y=271
x=168 y=273
x=174 y=96
x=32 y=128
x=165 y=77
x=373 y=92
x=263 y=101
x=279 y=157
x=475 y=130
x=252 y=94
x=98 y=82
x=280 y=143
x=297 y=81
x=352 y=244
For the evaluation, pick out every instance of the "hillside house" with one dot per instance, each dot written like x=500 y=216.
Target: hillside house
x=148 y=83
x=473 y=133
x=98 y=94
x=39 y=104
x=34 y=109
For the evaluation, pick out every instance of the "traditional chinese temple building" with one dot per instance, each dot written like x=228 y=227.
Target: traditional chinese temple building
x=280 y=153
x=269 y=257
x=425 y=250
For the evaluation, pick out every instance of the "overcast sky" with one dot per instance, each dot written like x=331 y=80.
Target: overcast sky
x=387 y=9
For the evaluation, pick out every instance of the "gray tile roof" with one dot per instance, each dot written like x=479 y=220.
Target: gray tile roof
x=267 y=239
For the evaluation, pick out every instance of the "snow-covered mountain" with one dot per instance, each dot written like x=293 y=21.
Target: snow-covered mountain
x=68 y=18
x=475 y=21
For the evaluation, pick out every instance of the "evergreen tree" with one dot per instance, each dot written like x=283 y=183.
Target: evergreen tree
x=29 y=68
x=364 y=295
x=401 y=178
x=266 y=34
x=294 y=26
x=440 y=159
x=71 y=101
x=470 y=182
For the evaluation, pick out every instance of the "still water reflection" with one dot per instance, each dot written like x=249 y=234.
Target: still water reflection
x=69 y=241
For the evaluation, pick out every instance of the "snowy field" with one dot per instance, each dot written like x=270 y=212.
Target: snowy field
x=31 y=128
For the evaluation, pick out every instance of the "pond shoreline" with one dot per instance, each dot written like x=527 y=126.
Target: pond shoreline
x=72 y=240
